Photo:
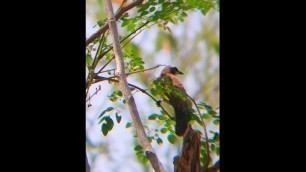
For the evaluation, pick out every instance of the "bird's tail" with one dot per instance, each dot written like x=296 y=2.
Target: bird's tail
x=181 y=119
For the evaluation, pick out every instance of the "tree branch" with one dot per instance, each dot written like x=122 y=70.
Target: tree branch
x=104 y=53
x=119 y=13
x=138 y=88
x=157 y=165
x=127 y=74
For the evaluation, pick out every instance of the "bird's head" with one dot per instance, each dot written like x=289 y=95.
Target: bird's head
x=171 y=70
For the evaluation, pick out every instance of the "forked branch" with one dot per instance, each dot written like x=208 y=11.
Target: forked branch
x=119 y=13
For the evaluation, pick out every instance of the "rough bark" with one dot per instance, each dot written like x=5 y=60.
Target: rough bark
x=189 y=161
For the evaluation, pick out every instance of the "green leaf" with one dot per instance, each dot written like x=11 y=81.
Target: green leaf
x=171 y=138
x=144 y=13
x=170 y=122
x=216 y=122
x=143 y=7
x=88 y=59
x=96 y=41
x=118 y=118
x=154 y=91
x=202 y=151
x=106 y=110
x=139 y=153
x=115 y=95
x=124 y=23
x=125 y=15
x=131 y=27
x=100 y=23
x=102 y=119
x=164 y=130
x=162 y=117
x=144 y=159
x=137 y=148
x=155 y=82
x=218 y=151
x=110 y=123
x=203 y=155
x=153 y=116
x=119 y=93
x=152 y=9
x=212 y=132
x=104 y=129
x=206 y=8
x=205 y=116
x=150 y=139
x=159 y=141
x=128 y=125
x=213 y=147
x=202 y=160
x=196 y=118
x=165 y=5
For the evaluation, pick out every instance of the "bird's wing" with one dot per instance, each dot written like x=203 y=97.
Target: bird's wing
x=179 y=100
x=176 y=83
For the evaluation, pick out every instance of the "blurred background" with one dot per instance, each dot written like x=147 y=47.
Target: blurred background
x=191 y=46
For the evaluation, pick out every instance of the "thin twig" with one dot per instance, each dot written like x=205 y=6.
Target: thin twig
x=205 y=132
x=143 y=70
x=111 y=47
x=119 y=13
x=96 y=92
x=101 y=42
x=138 y=88
x=94 y=63
x=138 y=71
x=104 y=53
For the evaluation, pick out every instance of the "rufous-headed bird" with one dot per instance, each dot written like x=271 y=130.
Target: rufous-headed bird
x=177 y=98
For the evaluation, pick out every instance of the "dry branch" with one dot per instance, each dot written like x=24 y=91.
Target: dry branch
x=119 y=13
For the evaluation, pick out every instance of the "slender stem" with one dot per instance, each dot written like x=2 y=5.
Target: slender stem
x=119 y=13
x=100 y=71
x=108 y=50
x=138 y=88
x=101 y=42
x=205 y=132
x=138 y=71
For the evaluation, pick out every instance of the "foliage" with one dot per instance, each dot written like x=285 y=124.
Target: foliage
x=99 y=55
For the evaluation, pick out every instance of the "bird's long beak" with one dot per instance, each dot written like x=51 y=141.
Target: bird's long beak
x=179 y=72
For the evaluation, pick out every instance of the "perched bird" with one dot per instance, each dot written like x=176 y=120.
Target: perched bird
x=177 y=98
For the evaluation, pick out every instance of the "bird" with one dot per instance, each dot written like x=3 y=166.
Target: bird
x=177 y=98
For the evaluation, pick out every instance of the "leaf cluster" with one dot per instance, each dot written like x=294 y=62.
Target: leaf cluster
x=107 y=122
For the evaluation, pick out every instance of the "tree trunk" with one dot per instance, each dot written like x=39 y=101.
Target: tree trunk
x=189 y=161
